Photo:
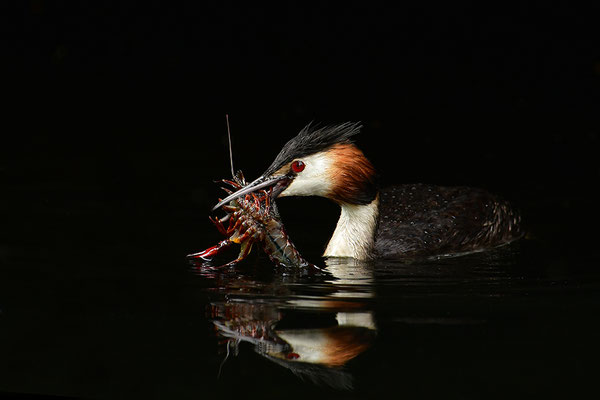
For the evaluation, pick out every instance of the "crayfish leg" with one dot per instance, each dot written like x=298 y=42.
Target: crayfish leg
x=267 y=202
x=256 y=201
x=219 y=224
x=231 y=183
x=244 y=251
x=235 y=226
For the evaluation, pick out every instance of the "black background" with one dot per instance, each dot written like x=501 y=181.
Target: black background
x=124 y=102
x=451 y=93
x=115 y=126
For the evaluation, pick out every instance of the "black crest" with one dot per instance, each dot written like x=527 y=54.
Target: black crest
x=314 y=139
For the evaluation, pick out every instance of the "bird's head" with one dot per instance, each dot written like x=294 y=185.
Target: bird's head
x=319 y=162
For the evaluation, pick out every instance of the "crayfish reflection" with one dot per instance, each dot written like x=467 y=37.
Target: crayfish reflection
x=313 y=336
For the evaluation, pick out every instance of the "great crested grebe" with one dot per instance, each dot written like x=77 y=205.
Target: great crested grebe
x=404 y=221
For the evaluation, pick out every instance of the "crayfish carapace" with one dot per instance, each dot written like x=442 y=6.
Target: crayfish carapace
x=253 y=218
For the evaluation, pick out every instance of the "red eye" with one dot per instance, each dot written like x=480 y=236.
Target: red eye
x=298 y=166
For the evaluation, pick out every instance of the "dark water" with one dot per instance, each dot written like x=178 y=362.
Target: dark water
x=98 y=301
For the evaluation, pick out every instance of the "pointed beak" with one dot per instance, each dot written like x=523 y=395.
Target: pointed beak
x=280 y=182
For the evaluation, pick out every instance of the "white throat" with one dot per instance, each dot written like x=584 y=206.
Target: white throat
x=355 y=231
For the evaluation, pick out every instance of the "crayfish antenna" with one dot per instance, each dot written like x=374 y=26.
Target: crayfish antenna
x=230 y=147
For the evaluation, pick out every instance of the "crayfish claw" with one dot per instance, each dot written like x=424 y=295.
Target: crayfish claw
x=209 y=253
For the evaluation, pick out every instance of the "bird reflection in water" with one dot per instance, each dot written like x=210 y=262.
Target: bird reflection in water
x=311 y=325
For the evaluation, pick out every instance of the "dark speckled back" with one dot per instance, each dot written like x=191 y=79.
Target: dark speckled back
x=425 y=220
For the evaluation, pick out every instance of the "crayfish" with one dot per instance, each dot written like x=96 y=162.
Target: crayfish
x=253 y=218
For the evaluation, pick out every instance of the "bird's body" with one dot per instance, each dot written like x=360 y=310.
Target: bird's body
x=404 y=221
x=425 y=220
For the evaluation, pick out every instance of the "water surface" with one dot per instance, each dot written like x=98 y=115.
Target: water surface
x=98 y=301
